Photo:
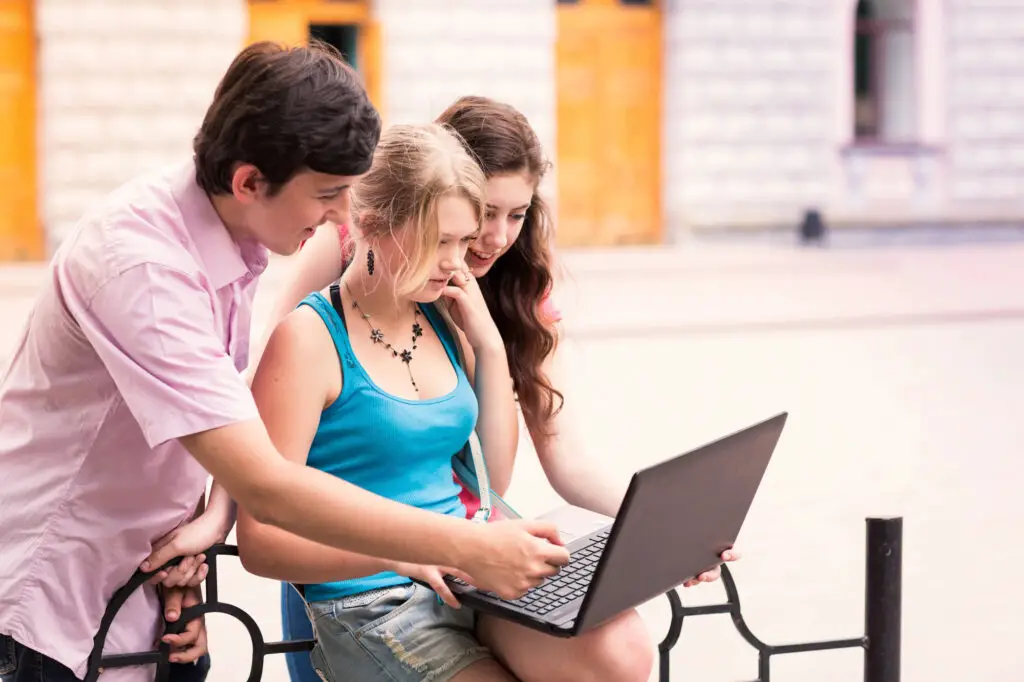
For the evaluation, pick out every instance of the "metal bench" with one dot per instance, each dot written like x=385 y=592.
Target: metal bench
x=881 y=640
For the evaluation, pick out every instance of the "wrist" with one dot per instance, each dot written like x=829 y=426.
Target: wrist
x=399 y=567
x=490 y=345
x=221 y=510
x=218 y=523
x=468 y=545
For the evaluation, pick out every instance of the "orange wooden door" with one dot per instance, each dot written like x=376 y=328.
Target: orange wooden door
x=21 y=234
x=289 y=22
x=279 y=21
x=579 y=130
x=609 y=124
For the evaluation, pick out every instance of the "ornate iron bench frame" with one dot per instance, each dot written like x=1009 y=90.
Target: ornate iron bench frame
x=881 y=639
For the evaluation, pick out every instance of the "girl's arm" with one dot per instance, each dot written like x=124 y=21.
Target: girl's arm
x=561 y=451
x=486 y=365
x=313 y=268
x=297 y=378
x=222 y=508
x=498 y=423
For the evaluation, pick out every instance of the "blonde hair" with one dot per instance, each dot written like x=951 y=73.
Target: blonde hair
x=414 y=167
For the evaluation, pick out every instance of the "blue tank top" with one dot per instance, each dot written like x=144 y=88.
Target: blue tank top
x=397 y=448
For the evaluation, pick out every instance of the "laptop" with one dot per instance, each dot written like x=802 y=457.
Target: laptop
x=674 y=523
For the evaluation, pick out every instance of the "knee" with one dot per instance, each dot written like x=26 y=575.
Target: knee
x=621 y=651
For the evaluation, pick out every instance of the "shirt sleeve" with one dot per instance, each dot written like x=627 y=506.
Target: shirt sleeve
x=154 y=330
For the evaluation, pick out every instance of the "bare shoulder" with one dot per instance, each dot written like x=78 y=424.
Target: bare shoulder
x=302 y=329
x=301 y=350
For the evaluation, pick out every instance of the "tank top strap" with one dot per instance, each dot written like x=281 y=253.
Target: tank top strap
x=445 y=332
x=335 y=324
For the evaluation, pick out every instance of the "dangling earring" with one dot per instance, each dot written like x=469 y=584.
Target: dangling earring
x=369 y=261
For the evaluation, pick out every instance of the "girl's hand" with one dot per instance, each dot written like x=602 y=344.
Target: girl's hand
x=189 y=541
x=469 y=311
x=716 y=572
x=433 y=576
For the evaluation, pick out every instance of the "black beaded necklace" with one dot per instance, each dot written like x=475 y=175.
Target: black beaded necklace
x=377 y=336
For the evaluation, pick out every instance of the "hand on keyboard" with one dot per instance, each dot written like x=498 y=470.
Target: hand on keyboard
x=514 y=556
x=562 y=588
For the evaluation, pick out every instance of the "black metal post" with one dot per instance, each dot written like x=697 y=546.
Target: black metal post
x=675 y=628
x=883 y=596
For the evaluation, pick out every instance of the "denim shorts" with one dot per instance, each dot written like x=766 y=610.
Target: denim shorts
x=398 y=633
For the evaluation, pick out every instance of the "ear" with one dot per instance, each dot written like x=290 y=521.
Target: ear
x=360 y=222
x=247 y=183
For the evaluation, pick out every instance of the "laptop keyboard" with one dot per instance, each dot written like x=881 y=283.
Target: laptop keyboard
x=570 y=584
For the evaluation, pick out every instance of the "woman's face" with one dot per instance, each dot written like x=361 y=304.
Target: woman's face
x=457 y=228
x=508 y=197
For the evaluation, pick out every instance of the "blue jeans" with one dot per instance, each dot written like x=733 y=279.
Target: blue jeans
x=401 y=633
x=295 y=625
x=21 y=664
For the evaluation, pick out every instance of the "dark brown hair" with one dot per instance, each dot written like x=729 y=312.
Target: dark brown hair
x=515 y=287
x=284 y=110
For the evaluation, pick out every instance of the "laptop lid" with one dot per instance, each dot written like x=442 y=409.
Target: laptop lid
x=677 y=518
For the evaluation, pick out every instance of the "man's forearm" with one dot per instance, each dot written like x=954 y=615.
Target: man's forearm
x=325 y=509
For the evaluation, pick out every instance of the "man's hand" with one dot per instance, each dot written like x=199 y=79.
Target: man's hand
x=511 y=557
x=715 y=573
x=188 y=541
x=188 y=646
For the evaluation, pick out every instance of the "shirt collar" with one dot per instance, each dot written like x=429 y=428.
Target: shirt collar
x=225 y=260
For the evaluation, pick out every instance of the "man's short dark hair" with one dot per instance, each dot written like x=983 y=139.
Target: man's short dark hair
x=284 y=110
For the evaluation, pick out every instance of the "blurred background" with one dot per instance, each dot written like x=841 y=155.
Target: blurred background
x=662 y=118
x=690 y=139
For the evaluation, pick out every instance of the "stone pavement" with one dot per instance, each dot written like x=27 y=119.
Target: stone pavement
x=899 y=369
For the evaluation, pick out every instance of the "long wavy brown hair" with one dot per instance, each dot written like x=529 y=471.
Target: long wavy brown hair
x=515 y=287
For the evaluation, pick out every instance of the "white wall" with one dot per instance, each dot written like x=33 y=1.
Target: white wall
x=435 y=51
x=985 y=86
x=749 y=110
x=124 y=85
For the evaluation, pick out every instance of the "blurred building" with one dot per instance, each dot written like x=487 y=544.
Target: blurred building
x=662 y=117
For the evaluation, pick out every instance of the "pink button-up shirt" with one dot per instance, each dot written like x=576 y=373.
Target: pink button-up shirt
x=138 y=337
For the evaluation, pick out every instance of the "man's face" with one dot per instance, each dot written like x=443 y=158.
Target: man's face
x=283 y=220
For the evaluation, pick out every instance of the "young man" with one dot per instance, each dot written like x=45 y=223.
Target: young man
x=125 y=390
